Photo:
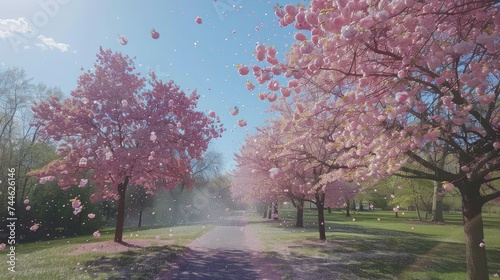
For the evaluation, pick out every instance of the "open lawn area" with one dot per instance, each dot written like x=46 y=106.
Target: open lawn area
x=368 y=245
x=364 y=247
x=87 y=257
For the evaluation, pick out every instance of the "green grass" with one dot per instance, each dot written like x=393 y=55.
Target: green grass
x=368 y=248
x=54 y=259
x=392 y=248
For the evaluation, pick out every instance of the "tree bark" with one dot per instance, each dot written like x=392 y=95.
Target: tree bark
x=275 y=211
x=299 y=219
x=417 y=209
x=140 y=218
x=437 y=203
x=120 y=216
x=270 y=211
x=477 y=265
x=347 y=213
x=320 y=199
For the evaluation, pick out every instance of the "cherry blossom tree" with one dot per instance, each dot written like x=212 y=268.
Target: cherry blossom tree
x=117 y=130
x=296 y=144
x=251 y=179
x=410 y=73
x=338 y=195
x=309 y=125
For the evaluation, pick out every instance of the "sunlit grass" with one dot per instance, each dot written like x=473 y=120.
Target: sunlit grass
x=54 y=259
x=376 y=245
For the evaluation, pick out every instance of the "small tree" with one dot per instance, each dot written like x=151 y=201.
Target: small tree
x=139 y=200
x=115 y=130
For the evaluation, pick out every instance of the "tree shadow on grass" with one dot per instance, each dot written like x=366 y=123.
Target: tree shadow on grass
x=372 y=253
x=144 y=263
x=344 y=257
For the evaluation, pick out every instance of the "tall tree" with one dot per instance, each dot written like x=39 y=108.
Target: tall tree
x=18 y=141
x=409 y=73
x=116 y=130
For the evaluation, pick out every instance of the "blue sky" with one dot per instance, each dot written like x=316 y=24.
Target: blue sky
x=53 y=39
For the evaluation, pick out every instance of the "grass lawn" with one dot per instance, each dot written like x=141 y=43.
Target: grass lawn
x=60 y=259
x=369 y=248
x=364 y=248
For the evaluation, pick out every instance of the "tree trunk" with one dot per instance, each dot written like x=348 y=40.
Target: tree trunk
x=477 y=266
x=140 y=218
x=347 y=213
x=275 y=211
x=264 y=207
x=120 y=216
x=269 y=213
x=299 y=219
x=320 y=199
x=437 y=203
x=417 y=209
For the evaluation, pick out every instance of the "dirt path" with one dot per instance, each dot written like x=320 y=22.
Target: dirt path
x=229 y=251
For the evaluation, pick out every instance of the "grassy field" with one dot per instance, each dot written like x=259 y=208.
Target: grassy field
x=376 y=245
x=57 y=259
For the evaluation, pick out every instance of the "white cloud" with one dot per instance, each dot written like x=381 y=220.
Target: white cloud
x=10 y=26
x=49 y=43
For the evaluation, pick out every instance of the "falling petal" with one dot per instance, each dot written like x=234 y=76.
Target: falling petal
x=242 y=123
x=75 y=203
x=154 y=34
x=122 y=40
x=34 y=227
x=234 y=111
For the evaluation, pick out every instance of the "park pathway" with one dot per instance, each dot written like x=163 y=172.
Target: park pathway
x=229 y=251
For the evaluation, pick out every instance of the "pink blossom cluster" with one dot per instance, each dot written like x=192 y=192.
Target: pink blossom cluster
x=76 y=205
x=46 y=179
